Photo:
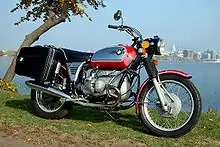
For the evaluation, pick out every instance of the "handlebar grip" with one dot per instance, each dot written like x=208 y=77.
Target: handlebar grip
x=112 y=27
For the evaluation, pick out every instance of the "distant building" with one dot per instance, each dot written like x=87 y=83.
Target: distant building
x=218 y=56
x=174 y=48
x=190 y=54
x=197 y=55
x=165 y=53
x=212 y=53
x=185 y=53
x=179 y=54
x=206 y=55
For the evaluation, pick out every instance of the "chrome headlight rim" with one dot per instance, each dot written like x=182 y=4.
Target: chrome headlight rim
x=160 y=43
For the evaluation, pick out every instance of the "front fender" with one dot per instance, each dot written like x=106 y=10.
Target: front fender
x=162 y=72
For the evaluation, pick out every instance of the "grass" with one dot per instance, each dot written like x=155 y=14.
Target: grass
x=95 y=128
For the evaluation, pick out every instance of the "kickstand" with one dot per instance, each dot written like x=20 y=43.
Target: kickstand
x=110 y=115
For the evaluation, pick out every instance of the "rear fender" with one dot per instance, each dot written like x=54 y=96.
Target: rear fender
x=162 y=72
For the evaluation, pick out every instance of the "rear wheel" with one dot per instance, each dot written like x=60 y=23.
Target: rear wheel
x=185 y=108
x=48 y=106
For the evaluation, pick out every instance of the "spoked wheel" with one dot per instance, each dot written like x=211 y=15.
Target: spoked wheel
x=48 y=106
x=183 y=111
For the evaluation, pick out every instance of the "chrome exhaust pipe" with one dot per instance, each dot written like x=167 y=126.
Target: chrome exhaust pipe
x=57 y=93
x=50 y=91
x=93 y=105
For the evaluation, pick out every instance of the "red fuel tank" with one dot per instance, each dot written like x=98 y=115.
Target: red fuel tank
x=117 y=57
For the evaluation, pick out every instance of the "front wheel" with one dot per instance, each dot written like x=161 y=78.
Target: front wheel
x=47 y=106
x=184 y=108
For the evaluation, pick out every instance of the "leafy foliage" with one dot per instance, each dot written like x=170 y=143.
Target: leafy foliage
x=8 y=86
x=43 y=9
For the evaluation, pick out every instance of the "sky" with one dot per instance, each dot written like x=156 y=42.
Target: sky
x=189 y=24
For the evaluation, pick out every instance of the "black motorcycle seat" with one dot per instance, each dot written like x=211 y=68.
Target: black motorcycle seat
x=76 y=56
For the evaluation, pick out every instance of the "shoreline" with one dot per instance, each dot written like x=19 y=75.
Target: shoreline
x=167 y=60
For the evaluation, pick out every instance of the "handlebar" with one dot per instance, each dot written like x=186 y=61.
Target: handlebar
x=131 y=31
x=112 y=27
x=137 y=40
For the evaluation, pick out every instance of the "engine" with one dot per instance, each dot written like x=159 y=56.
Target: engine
x=95 y=82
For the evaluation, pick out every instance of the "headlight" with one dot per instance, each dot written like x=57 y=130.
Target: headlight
x=160 y=43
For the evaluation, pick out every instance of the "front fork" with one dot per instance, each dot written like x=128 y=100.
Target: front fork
x=153 y=76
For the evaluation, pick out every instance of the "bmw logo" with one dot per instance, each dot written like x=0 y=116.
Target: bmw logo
x=21 y=59
x=120 y=51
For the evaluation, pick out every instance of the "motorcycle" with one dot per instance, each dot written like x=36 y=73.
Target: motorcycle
x=167 y=103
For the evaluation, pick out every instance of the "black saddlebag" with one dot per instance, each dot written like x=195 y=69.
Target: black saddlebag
x=36 y=62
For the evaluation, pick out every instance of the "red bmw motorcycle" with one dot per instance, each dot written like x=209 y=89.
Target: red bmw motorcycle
x=167 y=102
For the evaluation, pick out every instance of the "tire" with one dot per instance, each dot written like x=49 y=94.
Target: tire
x=182 y=121
x=40 y=111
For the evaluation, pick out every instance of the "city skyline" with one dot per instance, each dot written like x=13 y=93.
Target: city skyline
x=181 y=49
x=195 y=54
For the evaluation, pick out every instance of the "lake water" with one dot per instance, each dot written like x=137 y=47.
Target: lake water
x=206 y=77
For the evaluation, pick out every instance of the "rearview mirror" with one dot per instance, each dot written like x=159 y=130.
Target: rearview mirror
x=118 y=15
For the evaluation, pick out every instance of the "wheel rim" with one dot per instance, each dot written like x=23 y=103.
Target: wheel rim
x=153 y=111
x=49 y=103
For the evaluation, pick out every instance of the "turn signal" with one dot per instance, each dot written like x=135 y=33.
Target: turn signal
x=145 y=44
x=156 y=62
x=144 y=51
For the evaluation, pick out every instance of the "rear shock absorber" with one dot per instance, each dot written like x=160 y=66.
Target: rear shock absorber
x=59 y=80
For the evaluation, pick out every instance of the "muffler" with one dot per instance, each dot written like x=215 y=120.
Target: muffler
x=49 y=90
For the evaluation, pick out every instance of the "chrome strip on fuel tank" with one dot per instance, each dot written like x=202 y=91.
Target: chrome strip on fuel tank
x=115 y=53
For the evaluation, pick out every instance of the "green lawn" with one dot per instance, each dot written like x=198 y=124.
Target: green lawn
x=94 y=127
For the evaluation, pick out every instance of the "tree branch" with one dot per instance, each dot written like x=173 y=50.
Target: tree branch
x=51 y=14
x=64 y=11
